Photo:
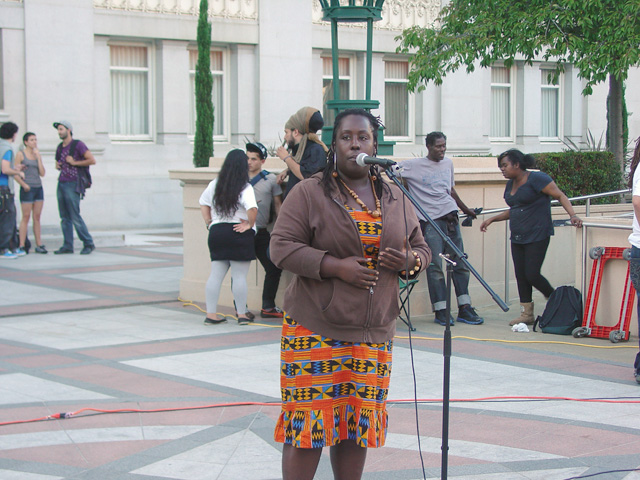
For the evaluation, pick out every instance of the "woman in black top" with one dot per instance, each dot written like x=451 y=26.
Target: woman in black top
x=529 y=196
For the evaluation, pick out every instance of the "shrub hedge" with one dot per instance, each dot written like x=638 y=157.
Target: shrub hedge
x=582 y=173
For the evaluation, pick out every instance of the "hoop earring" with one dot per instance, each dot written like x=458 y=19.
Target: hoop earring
x=335 y=167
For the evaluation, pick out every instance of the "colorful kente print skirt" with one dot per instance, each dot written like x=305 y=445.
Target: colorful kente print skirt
x=331 y=390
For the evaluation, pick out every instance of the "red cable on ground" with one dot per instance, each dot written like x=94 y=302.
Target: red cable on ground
x=66 y=415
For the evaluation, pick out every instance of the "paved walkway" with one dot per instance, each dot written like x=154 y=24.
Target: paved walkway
x=105 y=332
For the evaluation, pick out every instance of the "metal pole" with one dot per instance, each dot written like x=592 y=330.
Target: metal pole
x=583 y=276
x=446 y=389
x=369 y=56
x=334 y=59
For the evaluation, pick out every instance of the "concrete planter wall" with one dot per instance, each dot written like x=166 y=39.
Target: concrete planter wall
x=479 y=183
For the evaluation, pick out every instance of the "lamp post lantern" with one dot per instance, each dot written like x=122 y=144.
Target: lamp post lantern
x=367 y=11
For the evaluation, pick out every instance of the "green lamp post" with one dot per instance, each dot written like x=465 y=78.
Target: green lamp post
x=367 y=11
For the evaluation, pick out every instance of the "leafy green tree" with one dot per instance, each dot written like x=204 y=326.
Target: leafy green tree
x=601 y=38
x=203 y=142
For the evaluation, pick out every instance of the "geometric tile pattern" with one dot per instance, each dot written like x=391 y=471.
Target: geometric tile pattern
x=18 y=388
x=87 y=341
x=240 y=455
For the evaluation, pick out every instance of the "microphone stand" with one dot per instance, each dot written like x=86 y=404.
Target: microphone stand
x=458 y=256
x=446 y=379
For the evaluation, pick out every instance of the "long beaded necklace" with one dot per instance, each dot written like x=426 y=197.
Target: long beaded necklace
x=377 y=212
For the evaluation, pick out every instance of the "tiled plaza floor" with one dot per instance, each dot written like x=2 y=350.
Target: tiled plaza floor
x=106 y=332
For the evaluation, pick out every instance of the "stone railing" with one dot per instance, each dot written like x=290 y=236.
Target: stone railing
x=235 y=9
x=396 y=14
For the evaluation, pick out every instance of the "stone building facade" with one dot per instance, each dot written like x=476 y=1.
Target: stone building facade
x=122 y=72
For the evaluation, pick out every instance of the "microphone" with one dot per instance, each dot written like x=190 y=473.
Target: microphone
x=364 y=159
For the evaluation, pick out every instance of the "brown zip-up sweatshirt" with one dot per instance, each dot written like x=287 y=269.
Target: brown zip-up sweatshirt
x=311 y=225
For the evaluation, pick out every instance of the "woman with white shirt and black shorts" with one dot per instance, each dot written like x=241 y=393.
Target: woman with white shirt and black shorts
x=229 y=209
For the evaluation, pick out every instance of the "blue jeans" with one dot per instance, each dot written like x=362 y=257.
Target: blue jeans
x=634 y=273
x=435 y=275
x=69 y=208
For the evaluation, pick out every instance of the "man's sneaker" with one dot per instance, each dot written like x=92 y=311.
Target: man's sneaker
x=441 y=318
x=274 y=312
x=63 y=251
x=637 y=377
x=40 y=249
x=20 y=252
x=87 y=249
x=214 y=321
x=467 y=314
x=8 y=255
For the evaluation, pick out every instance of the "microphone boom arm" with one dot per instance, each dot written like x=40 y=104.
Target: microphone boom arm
x=458 y=255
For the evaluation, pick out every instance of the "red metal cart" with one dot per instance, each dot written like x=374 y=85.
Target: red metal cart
x=619 y=331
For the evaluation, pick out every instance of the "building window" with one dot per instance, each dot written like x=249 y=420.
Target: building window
x=550 y=108
x=220 y=105
x=344 y=84
x=501 y=103
x=130 y=92
x=396 y=99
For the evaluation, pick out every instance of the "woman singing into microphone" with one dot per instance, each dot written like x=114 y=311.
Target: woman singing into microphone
x=342 y=232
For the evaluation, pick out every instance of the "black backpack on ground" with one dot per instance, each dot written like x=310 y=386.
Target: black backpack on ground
x=563 y=312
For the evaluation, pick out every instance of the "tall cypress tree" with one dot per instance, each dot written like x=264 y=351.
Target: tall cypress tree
x=203 y=143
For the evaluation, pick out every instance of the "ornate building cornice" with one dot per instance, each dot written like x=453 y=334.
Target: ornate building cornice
x=231 y=9
x=396 y=14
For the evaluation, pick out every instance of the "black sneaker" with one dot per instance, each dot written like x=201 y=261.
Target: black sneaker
x=637 y=377
x=87 y=249
x=63 y=251
x=40 y=249
x=467 y=314
x=214 y=321
x=441 y=318
x=244 y=320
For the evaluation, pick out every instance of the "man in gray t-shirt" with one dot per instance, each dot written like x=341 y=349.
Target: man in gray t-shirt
x=430 y=180
x=269 y=198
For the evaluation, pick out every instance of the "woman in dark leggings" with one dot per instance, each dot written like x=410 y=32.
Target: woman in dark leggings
x=529 y=196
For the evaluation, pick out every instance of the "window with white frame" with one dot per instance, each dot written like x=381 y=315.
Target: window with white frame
x=130 y=92
x=220 y=106
x=501 y=103
x=344 y=84
x=396 y=99
x=550 y=107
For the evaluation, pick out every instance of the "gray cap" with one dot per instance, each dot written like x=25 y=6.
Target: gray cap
x=64 y=123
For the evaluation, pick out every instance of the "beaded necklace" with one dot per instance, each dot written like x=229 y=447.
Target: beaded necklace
x=377 y=212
